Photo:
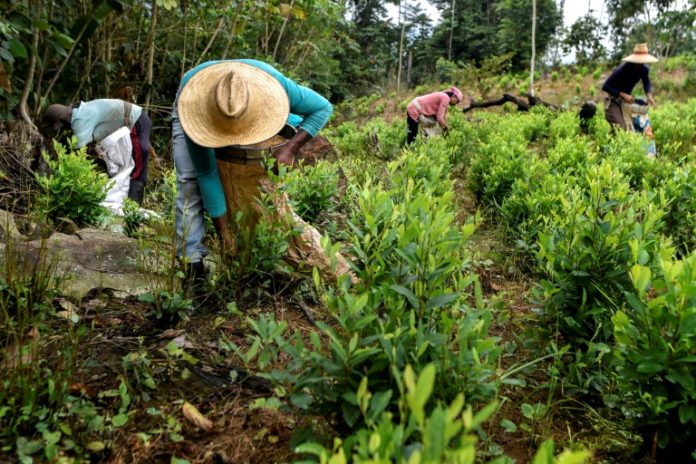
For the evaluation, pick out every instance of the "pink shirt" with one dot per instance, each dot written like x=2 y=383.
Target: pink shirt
x=432 y=104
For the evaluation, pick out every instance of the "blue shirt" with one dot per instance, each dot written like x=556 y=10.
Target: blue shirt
x=625 y=77
x=308 y=111
x=97 y=119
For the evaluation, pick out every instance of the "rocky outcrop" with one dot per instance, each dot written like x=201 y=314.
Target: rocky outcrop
x=91 y=259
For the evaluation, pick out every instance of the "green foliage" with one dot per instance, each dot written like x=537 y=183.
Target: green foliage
x=410 y=307
x=554 y=76
x=312 y=189
x=585 y=251
x=656 y=347
x=679 y=187
x=445 y=434
x=167 y=305
x=133 y=217
x=376 y=139
x=40 y=418
x=673 y=127
x=74 y=189
x=545 y=455
x=585 y=36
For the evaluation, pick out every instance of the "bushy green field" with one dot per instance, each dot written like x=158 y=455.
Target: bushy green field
x=420 y=360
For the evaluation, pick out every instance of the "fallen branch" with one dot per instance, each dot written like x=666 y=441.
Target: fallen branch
x=521 y=105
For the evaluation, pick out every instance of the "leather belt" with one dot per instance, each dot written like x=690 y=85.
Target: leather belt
x=239 y=155
x=252 y=155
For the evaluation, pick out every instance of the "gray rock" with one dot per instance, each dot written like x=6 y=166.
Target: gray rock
x=8 y=227
x=94 y=258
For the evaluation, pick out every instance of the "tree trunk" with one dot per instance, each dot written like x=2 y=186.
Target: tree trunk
x=183 y=54
x=65 y=61
x=409 y=68
x=239 y=8
x=531 y=70
x=151 y=55
x=401 y=45
x=223 y=17
x=23 y=110
x=40 y=63
x=449 y=46
x=282 y=29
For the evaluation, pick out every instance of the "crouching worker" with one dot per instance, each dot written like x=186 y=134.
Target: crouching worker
x=96 y=120
x=233 y=110
x=430 y=111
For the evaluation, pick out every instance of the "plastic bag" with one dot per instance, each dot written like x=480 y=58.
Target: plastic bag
x=116 y=151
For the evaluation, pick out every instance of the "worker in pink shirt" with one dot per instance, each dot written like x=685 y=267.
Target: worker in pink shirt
x=430 y=110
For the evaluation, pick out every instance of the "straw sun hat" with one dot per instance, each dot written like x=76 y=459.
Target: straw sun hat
x=232 y=103
x=640 y=55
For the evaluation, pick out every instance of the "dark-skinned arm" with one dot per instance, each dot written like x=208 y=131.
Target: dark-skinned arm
x=287 y=153
x=228 y=242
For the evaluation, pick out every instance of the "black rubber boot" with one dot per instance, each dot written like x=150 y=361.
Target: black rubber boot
x=136 y=191
x=196 y=283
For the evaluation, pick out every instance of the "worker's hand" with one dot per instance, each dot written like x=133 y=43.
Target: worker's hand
x=227 y=240
x=626 y=97
x=285 y=155
x=229 y=245
x=651 y=101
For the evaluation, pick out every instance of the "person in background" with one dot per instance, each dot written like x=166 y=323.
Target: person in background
x=222 y=109
x=430 y=110
x=621 y=82
x=94 y=120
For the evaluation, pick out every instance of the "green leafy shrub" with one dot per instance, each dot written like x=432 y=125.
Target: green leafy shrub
x=554 y=76
x=504 y=82
x=410 y=307
x=585 y=251
x=597 y=73
x=445 y=434
x=495 y=168
x=656 y=348
x=167 y=305
x=679 y=187
x=40 y=418
x=673 y=126
x=565 y=124
x=133 y=217
x=311 y=189
x=74 y=189
x=530 y=202
x=376 y=139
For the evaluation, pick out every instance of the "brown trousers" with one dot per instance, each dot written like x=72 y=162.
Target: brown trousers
x=243 y=183
x=613 y=112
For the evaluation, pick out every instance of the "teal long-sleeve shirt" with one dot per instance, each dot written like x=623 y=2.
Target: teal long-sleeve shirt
x=308 y=111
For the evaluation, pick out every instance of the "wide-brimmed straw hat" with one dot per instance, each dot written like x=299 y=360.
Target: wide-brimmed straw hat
x=232 y=103
x=640 y=55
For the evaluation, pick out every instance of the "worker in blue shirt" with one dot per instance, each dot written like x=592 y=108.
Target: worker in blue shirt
x=221 y=105
x=621 y=82
x=94 y=120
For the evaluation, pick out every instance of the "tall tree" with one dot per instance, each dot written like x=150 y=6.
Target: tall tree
x=516 y=22
x=533 y=59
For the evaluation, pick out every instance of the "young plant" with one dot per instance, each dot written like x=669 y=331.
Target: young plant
x=74 y=189
x=655 y=351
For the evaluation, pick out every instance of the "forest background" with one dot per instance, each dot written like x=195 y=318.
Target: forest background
x=84 y=49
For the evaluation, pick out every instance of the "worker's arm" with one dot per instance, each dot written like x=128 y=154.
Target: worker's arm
x=442 y=111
